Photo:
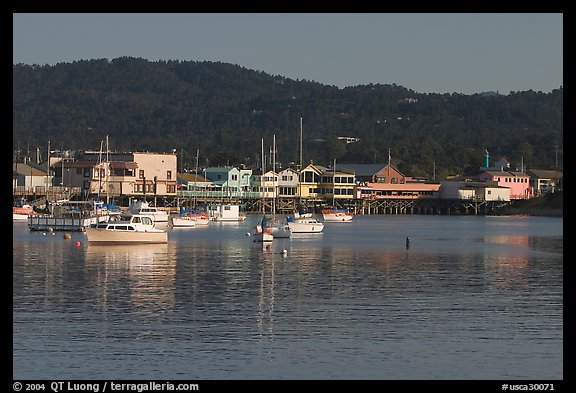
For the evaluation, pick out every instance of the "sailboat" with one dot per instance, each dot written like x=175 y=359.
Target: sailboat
x=271 y=226
x=279 y=229
x=262 y=232
x=334 y=213
x=303 y=220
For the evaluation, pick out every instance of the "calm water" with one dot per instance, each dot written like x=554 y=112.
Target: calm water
x=472 y=298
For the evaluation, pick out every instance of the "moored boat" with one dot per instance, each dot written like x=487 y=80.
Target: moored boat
x=128 y=229
x=143 y=207
x=21 y=213
x=305 y=225
x=182 y=222
x=335 y=214
x=199 y=216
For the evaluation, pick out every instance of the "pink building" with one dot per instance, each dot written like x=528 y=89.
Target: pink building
x=517 y=182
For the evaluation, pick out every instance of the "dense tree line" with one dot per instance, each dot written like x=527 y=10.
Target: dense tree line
x=224 y=111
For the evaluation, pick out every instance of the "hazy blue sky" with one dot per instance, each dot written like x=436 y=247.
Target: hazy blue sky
x=428 y=53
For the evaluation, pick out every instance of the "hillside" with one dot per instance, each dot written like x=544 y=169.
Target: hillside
x=225 y=111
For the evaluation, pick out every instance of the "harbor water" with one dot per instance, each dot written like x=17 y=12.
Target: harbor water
x=468 y=297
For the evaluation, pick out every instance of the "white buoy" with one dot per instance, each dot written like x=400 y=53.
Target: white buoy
x=284 y=252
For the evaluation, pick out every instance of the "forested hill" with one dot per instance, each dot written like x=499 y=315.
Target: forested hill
x=225 y=110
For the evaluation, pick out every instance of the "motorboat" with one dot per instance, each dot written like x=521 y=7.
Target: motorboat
x=334 y=214
x=143 y=207
x=127 y=229
x=305 y=225
x=182 y=222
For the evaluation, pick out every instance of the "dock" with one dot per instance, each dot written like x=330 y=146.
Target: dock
x=50 y=223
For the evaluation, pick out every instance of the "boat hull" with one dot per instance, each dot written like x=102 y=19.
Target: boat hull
x=337 y=217
x=306 y=226
x=106 y=236
x=182 y=222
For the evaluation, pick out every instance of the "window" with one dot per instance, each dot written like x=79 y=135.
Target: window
x=234 y=177
x=87 y=172
x=169 y=175
x=141 y=174
x=78 y=171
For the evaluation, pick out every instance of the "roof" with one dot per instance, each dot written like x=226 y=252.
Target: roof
x=545 y=174
x=324 y=169
x=27 y=170
x=506 y=173
x=192 y=177
x=362 y=170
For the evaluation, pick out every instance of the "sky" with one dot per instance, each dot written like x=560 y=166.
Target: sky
x=463 y=53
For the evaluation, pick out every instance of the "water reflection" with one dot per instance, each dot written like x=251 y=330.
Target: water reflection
x=471 y=298
x=144 y=274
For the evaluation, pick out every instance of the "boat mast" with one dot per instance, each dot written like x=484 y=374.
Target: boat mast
x=107 y=169
x=196 y=178
x=263 y=164
x=334 y=185
x=47 y=173
x=99 y=166
x=300 y=166
x=274 y=177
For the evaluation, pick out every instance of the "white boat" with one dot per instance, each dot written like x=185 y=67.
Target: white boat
x=143 y=207
x=129 y=229
x=305 y=225
x=200 y=217
x=182 y=222
x=334 y=214
x=225 y=212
